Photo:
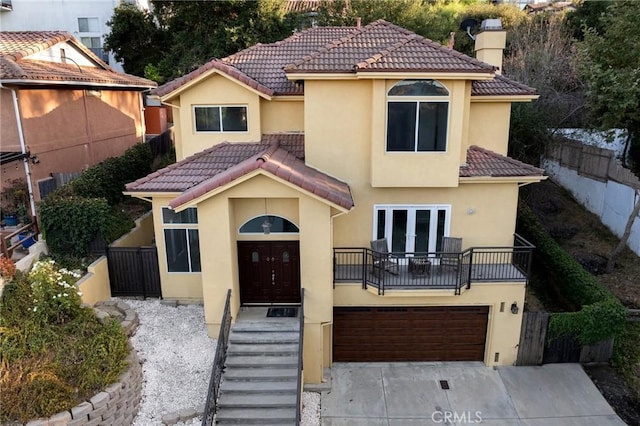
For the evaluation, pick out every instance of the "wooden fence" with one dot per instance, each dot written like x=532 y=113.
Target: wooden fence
x=134 y=271
x=593 y=162
x=536 y=349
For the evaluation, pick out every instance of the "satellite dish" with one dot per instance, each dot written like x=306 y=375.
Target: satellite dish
x=467 y=25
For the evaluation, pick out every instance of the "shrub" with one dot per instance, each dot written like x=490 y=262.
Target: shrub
x=53 y=352
x=601 y=314
x=56 y=299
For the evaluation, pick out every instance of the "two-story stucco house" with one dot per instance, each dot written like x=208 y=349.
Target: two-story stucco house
x=293 y=157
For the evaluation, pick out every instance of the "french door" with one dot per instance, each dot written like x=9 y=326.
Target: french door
x=412 y=228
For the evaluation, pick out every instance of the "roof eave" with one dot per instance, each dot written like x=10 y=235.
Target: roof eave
x=502 y=179
x=28 y=82
x=259 y=171
x=175 y=93
x=503 y=98
x=398 y=75
x=151 y=194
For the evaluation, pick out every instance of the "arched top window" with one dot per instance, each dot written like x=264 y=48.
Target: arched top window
x=419 y=88
x=266 y=224
x=417 y=116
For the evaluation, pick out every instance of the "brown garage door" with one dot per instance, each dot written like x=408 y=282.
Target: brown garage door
x=390 y=334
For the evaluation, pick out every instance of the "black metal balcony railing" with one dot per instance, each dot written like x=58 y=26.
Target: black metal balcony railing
x=433 y=270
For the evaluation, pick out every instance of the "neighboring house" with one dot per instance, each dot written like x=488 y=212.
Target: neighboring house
x=294 y=156
x=63 y=109
x=86 y=20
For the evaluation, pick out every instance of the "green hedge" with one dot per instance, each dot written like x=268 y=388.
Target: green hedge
x=76 y=213
x=107 y=179
x=601 y=314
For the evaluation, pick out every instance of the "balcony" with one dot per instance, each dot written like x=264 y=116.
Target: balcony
x=433 y=271
x=5 y=6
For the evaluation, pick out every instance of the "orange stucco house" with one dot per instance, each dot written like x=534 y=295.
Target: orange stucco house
x=62 y=109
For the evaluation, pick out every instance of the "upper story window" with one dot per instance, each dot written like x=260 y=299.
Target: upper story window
x=219 y=118
x=276 y=225
x=417 y=116
x=88 y=25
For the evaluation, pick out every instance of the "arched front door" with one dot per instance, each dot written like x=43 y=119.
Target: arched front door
x=269 y=272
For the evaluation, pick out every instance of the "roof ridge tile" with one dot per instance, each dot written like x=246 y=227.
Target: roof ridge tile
x=385 y=52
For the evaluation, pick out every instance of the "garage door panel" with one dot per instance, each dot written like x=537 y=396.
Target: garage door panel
x=394 y=334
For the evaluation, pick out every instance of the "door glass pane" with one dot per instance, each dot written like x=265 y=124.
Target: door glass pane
x=382 y=215
x=423 y=218
x=401 y=126
x=399 y=231
x=176 y=247
x=285 y=257
x=255 y=257
x=194 y=249
x=432 y=129
x=442 y=214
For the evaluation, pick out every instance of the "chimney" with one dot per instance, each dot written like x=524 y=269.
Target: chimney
x=359 y=22
x=490 y=43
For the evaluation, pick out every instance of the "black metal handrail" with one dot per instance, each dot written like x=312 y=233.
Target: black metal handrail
x=218 y=365
x=428 y=270
x=300 y=361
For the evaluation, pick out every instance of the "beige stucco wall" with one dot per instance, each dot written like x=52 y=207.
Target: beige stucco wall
x=503 y=328
x=279 y=115
x=492 y=222
x=489 y=125
x=215 y=90
x=140 y=235
x=94 y=285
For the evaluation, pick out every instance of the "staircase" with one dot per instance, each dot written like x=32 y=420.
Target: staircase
x=260 y=381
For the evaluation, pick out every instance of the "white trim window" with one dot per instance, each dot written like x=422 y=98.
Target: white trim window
x=181 y=240
x=417 y=116
x=220 y=118
x=412 y=228
x=89 y=25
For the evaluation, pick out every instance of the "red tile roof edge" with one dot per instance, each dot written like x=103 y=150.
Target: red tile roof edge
x=533 y=171
x=271 y=160
x=216 y=64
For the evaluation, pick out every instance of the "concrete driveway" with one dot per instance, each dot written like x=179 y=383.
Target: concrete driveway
x=403 y=394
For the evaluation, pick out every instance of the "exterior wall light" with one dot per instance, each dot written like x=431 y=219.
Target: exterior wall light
x=514 y=308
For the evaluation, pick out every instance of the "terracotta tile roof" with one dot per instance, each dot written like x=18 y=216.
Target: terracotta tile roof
x=278 y=154
x=261 y=66
x=484 y=163
x=500 y=86
x=377 y=47
x=15 y=65
x=382 y=46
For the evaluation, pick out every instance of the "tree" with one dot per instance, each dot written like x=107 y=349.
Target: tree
x=179 y=36
x=134 y=39
x=611 y=71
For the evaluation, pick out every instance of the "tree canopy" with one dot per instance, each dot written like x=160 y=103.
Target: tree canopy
x=611 y=58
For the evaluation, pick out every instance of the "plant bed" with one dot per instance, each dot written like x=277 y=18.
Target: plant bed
x=55 y=354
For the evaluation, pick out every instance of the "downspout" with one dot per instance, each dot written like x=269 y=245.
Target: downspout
x=87 y=127
x=23 y=147
x=143 y=123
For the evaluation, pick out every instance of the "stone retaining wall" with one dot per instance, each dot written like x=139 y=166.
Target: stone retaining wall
x=118 y=404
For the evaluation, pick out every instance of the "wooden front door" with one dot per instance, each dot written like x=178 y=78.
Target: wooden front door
x=269 y=272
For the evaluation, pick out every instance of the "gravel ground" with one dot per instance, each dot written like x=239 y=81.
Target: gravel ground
x=176 y=356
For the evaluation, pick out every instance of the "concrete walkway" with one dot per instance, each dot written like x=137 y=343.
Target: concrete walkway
x=403 y=394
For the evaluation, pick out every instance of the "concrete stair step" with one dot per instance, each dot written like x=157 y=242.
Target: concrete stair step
x=251 y=387
x=262 y=361
x=266 y=327
x=261 y=374
x=263 y=337
x=280 y=416
x=265 y=401
x=263 y=349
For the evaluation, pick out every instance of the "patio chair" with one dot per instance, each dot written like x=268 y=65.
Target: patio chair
x=451 y=249
x=383 y=261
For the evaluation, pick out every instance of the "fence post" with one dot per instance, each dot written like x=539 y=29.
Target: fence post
x=141 y=272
